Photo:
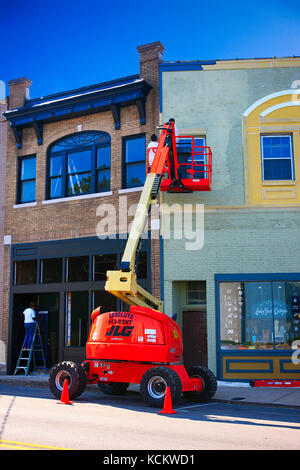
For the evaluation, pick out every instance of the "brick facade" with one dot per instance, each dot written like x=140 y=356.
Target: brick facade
x=74 y=218
x=3 y=144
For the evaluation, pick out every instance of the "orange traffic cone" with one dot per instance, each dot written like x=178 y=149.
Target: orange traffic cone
x=168 y=409
x=64 y=399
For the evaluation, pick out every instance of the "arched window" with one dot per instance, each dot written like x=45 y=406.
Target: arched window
x=79 y=164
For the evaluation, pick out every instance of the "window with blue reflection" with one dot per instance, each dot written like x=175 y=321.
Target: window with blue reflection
x=277 y=157
x=79 y=172
x=134 y=161
x=79 y=164
x=103 y=169
x=26 y=180
x=259 y=314
x=190 y=157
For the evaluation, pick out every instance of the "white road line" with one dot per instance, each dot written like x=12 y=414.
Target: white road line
x=194 y=406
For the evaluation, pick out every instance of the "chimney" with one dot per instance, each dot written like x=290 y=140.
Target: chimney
x=18 y=92
x=150 y=55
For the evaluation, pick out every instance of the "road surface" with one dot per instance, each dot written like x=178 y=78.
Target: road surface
x=31 y=418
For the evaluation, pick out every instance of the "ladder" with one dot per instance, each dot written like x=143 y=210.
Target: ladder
x=31 y=355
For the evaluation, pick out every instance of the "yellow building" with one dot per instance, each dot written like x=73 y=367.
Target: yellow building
x=271 y=129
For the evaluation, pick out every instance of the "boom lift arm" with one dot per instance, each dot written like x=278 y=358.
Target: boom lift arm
x=123 y=283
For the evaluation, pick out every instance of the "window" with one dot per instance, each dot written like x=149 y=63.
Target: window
x=25 y=272
x=26 y=180
x=79 y=164
x=78 y=269
x=134 y=158
x=259 y=315
x=277 y=157
x=103 y=299
x=184 y=144
x=76 y=319
x=103 y=263
x=196 y=293
x=142 y=265
x=51 y=270
x=184 y=155
x=79 y=171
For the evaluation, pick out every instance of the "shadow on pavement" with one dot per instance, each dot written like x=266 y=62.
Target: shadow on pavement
x=242 y=414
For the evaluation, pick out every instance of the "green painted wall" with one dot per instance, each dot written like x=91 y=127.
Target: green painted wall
x=236 y=240
x=216 y=100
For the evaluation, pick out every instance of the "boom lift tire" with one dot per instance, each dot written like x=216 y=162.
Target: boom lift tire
x=209 y=382
x=113 y=388
x=75 y=375
x=154 y=385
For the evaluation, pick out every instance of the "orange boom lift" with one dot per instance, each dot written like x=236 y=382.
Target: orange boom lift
x=144 y=346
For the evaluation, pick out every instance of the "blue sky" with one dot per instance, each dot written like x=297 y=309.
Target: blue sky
x=61 y=45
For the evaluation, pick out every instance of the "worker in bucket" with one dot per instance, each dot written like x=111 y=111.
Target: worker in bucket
x=151 y=149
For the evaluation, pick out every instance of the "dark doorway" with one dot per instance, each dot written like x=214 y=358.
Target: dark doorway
x=194 y=338
x=47 y=308
x=48 y=318
x=77 y=316
x=20 y=302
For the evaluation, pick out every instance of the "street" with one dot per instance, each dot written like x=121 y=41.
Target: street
x=31 y=418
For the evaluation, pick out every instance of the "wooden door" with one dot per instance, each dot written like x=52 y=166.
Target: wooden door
x=194 y=332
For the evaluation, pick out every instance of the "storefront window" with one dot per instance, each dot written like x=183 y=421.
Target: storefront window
x=51 y=270
x=25 y=272
x=142 y=265
x=103 y=263
x=105 y=300
x=259 y=315
x=78 y=269
x=76 y=319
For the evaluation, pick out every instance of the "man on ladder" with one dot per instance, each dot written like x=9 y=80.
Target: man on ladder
x=29 y=324
x=30 y=344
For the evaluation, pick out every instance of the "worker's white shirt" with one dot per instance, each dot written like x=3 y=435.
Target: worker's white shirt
x=29 y=315
x=151 y=151
x=176 y=133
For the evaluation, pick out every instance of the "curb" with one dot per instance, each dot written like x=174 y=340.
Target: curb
x=39 y=382
x=255 y=403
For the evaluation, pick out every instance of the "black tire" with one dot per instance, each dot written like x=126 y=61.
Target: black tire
x=209 y=384
x=113 y=388
x=75 y=375
x=154 y=385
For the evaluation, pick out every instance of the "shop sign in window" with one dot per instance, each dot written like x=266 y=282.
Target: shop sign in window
x=259 y=315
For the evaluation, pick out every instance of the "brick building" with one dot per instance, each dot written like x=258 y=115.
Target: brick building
x=73 y=158
x=3 y=141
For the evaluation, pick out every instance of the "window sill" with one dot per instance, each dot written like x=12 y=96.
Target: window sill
x=25 y=204
x=279 y=183
x=77 y=198
x=130 y=190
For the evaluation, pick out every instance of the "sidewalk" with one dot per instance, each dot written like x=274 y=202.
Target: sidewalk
x=228 y=392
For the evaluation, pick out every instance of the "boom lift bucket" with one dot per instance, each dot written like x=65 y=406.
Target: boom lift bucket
x=187 y=166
